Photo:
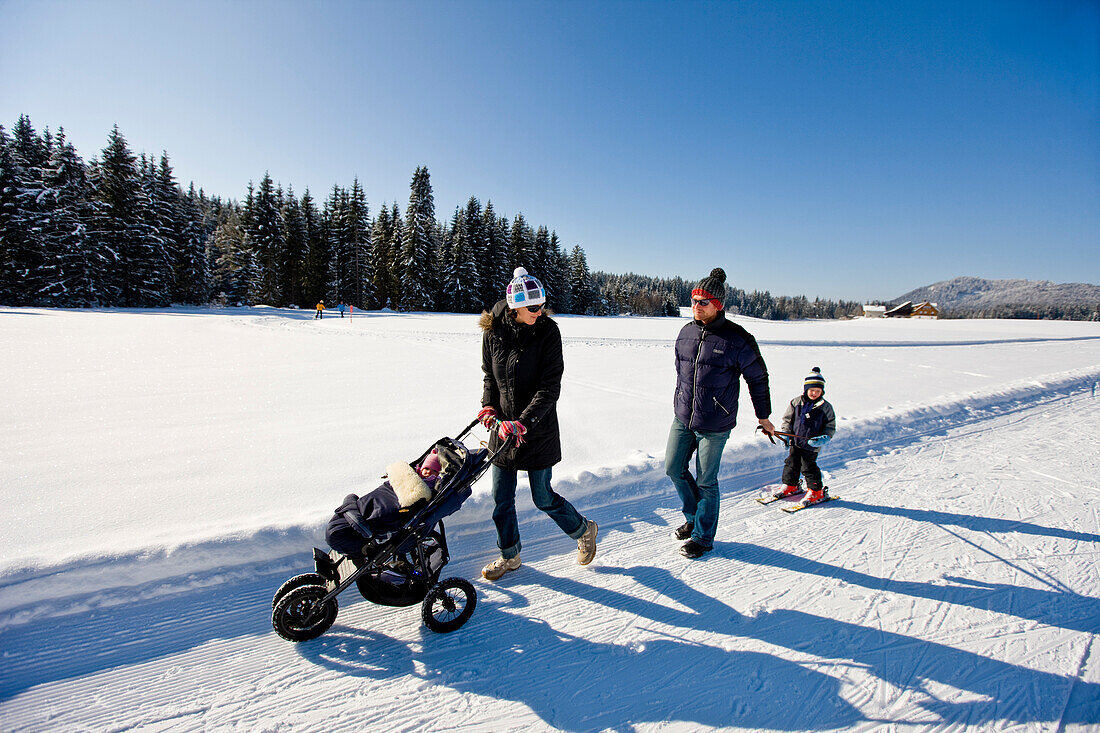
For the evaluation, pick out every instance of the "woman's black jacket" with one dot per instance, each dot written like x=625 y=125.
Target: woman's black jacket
x=523 y=367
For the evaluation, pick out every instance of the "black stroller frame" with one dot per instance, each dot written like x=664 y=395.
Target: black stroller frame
x=400 y=568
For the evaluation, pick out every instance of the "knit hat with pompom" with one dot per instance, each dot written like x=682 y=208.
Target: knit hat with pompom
x=524 y=290
x=712 y=286
x=814 y=379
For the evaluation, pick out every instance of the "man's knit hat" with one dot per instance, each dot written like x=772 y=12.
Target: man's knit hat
x=712 y=286
x=524 y=290
x=814 y=379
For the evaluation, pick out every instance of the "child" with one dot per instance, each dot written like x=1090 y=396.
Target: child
x=361 y=517
x=813 y=420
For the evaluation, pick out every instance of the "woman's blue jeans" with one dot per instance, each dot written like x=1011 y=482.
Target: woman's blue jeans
x=504 y=514
x=698 y=493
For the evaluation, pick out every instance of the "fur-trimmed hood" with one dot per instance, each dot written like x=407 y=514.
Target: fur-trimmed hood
x=407 y=483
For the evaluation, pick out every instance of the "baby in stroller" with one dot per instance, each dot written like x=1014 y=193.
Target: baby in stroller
x=359 y=518
x=392 y=545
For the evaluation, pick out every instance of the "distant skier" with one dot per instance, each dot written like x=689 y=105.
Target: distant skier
x=813 y=420
x=341 y=308
x=320 y=310
x=712 y=354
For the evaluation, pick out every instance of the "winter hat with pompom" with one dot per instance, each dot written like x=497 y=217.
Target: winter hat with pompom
x=432 y=462
x=815 y=379
x=712 y=286
x=525 y=290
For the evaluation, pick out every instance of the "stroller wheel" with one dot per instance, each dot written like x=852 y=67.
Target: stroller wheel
x=300 y=615
x=296 y=582
x=448 y=605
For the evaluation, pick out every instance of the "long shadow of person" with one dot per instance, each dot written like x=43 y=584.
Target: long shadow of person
x=577 y=684
x=1007 y=691
x=1065 y=609
x=971 y=522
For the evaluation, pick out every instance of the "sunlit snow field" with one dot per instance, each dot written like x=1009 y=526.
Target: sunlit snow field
x=153 y=463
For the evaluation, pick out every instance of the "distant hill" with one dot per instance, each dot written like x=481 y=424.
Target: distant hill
x=971 y=293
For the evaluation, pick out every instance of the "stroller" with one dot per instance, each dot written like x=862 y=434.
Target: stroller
x=399 y=567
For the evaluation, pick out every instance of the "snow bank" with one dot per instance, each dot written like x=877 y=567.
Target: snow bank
x=40 y=588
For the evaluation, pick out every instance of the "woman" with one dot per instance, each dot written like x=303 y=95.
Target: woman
x=522 y=360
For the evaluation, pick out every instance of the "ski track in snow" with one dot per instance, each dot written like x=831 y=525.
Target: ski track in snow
x=832 y=618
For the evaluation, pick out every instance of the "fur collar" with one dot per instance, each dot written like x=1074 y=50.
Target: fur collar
x=407 y=484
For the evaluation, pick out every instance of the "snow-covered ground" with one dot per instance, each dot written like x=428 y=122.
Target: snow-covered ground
x=163 y=471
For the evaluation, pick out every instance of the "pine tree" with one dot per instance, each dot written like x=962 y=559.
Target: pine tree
x=22 y=254
x=75 y=271
x=319 y=256
x=580 y=282
x=521 y=245
x=295 y=250
x=166 y=203
x=477 y=248
x=338 y=236
x=262 y=224
x=192 y=271
x=540 y=254
x=384 y=284
x=359 y=230
x=495 y=271
x=419 y=245
x=122 y=226
x=463 y=267
x=396 y=250
x=235 y=265
x=557 y=277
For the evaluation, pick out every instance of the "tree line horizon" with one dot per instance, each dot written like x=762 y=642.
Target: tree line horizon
x=119 y=231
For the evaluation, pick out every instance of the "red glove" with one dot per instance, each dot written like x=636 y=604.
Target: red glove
x=511 y=427
x=487 y=417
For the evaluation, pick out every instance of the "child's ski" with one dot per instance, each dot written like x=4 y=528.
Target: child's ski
x=800 y=506
x=772 y=498
x=775 y=494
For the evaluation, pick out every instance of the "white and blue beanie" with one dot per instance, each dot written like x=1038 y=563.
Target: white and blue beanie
x=525 y=290
x=814 y=379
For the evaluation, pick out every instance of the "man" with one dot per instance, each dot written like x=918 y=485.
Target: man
x=712 y=353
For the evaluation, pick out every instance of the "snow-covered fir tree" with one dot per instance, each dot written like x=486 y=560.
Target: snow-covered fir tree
x=192 y=272
x=521 y=245
x=123 y=226
x=315 y=277
x=495 y=272
x=477 y=246
x=359 y=230
x=75 y=266
x=263 y=229
x=21 y=256
x=419 y=245
x=580 y=282
x=295 y=250
x=462 y=269
x=559 y=293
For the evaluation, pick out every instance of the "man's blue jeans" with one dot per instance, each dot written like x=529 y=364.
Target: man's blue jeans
x=504 y=514
x=698 y=493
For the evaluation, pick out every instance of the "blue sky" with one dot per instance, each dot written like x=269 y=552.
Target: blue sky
x=840 y=149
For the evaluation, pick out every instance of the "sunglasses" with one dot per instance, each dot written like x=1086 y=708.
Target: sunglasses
x=534 y=308
x=703 y=301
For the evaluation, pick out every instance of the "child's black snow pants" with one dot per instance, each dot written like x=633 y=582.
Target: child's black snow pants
x=804 y=460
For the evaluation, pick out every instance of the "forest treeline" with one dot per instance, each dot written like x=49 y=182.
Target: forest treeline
x=120 y=231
